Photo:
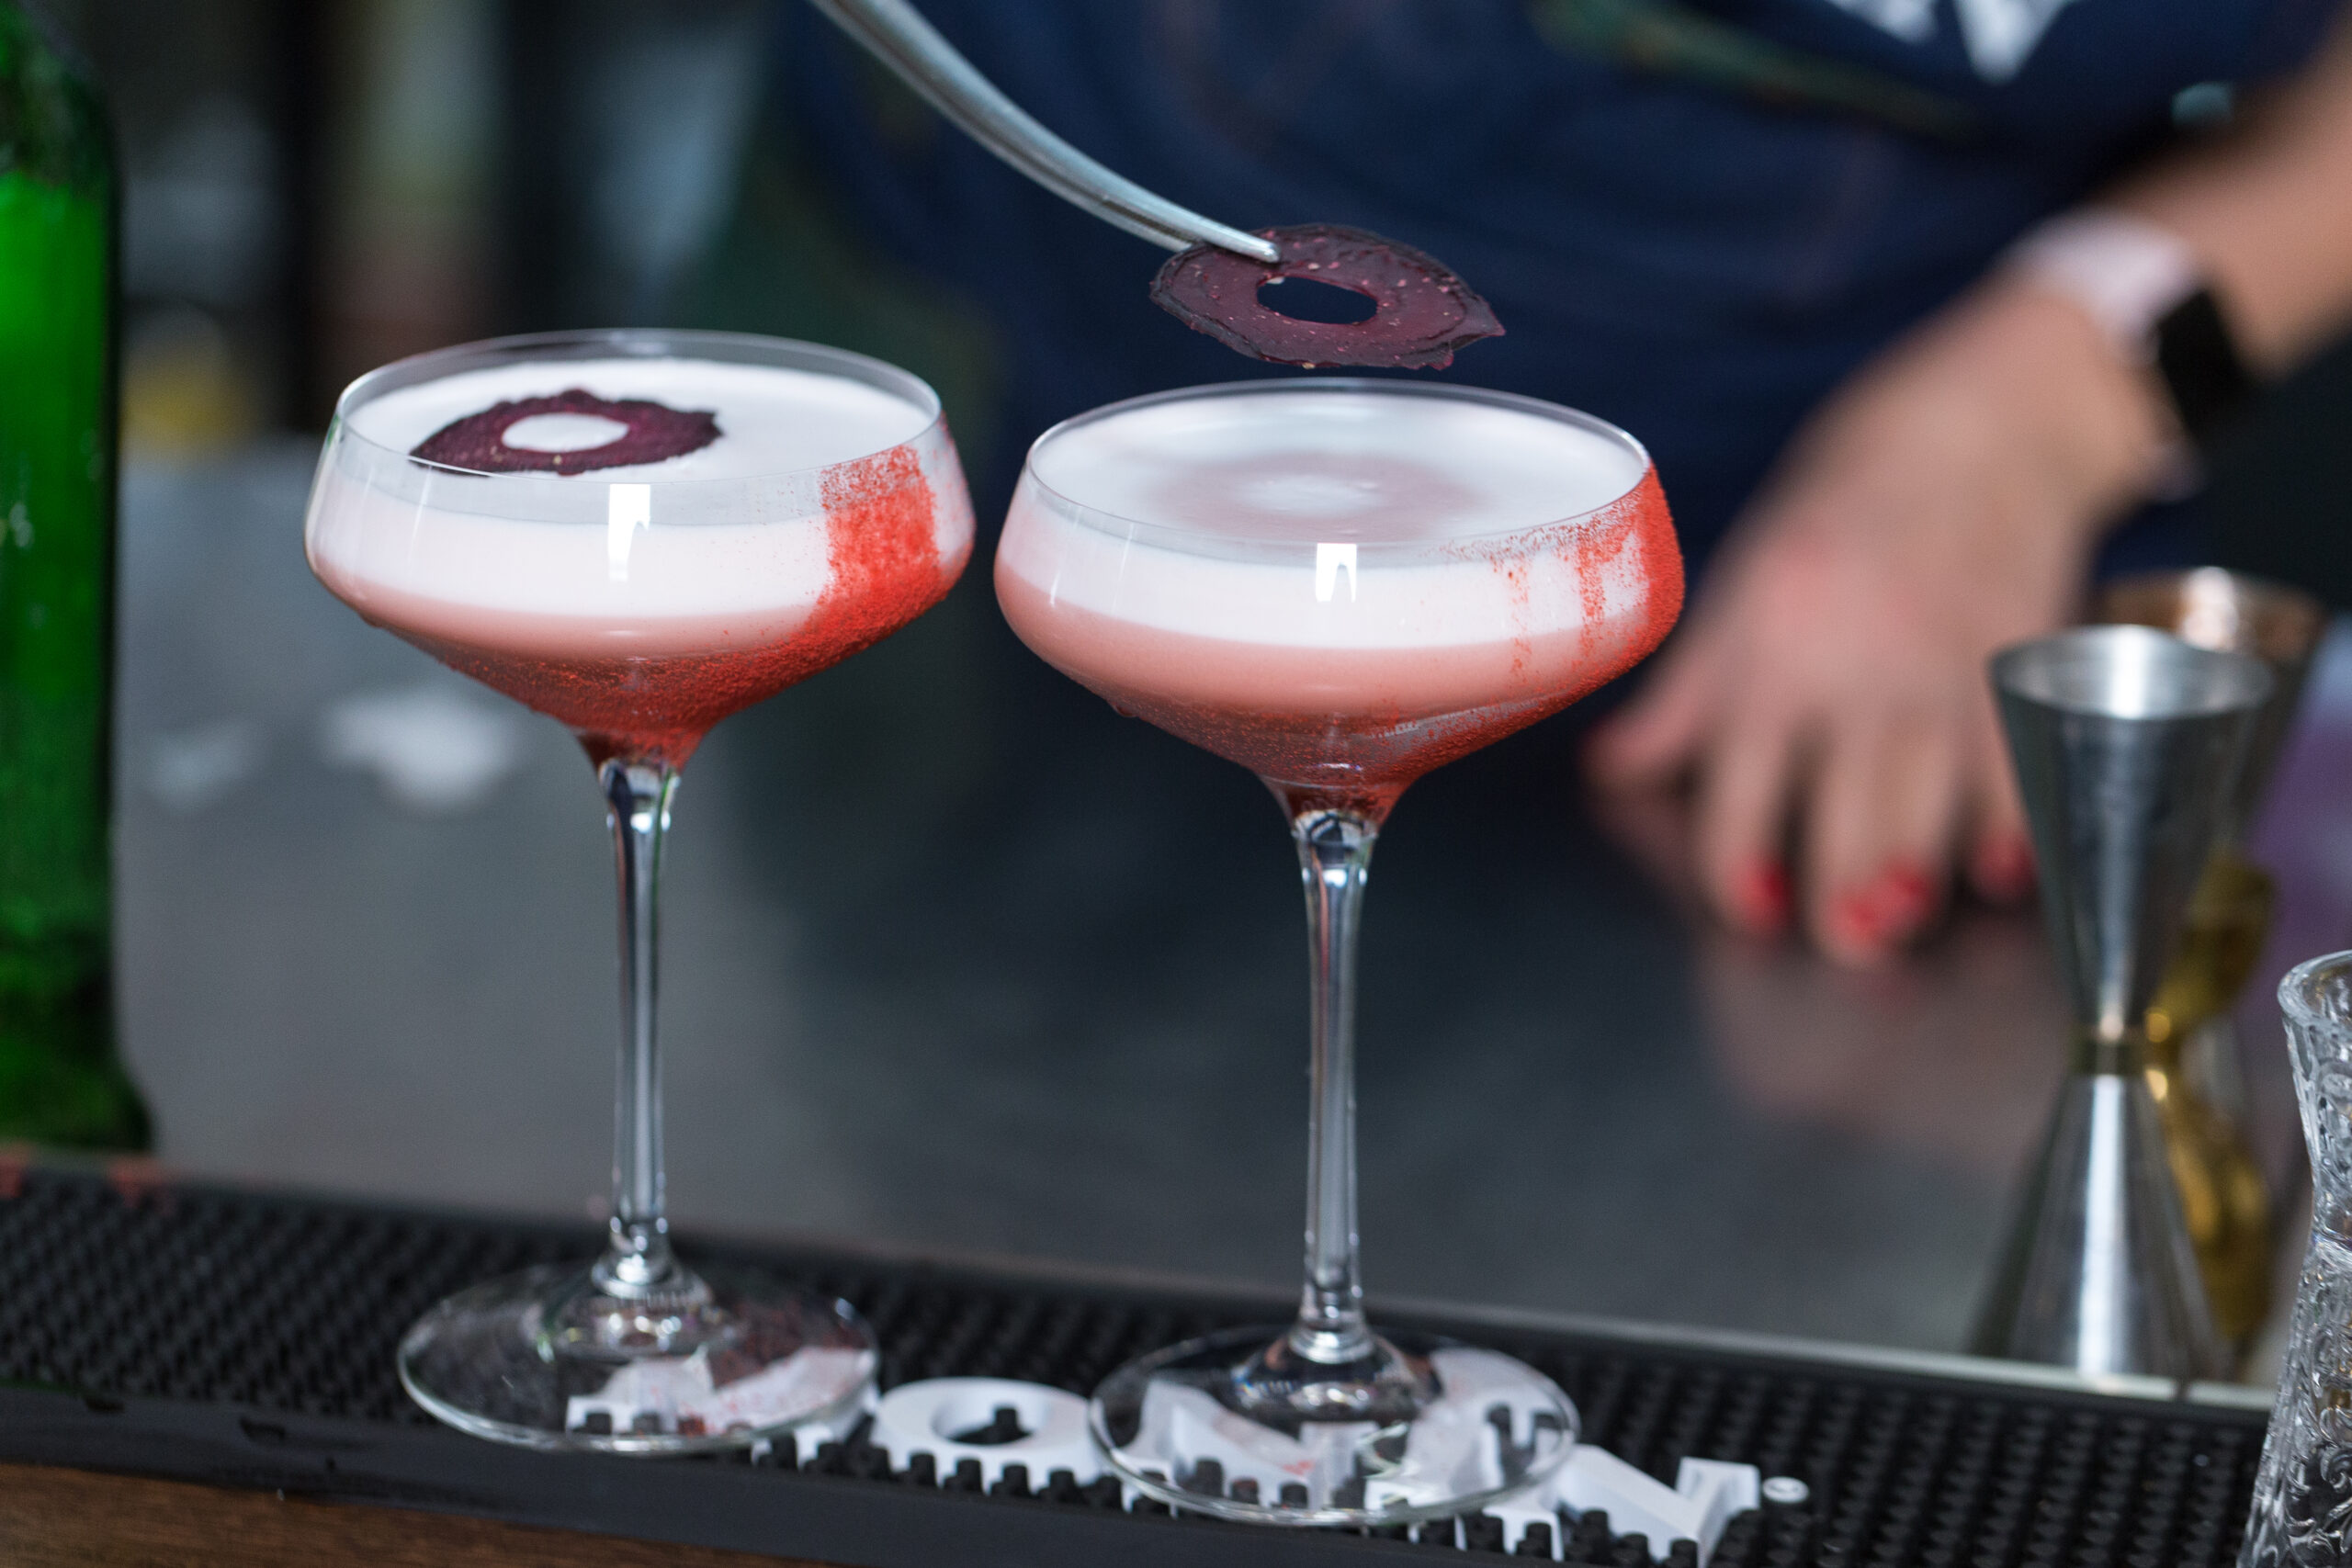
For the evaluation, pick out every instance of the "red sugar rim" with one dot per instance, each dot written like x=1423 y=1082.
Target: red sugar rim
x=655 y=431
x=1421 y=311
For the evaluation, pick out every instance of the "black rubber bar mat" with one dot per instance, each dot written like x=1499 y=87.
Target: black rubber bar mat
x=246 y=1341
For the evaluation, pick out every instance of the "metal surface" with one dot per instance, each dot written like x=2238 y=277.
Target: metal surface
x=2194 y=1066
x=2228 y=612
x=2100 y=1275
x=2128 y=743
x=895 y=34
x=2196 y=1075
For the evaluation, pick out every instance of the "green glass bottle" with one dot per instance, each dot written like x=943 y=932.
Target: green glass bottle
x=61 y=1081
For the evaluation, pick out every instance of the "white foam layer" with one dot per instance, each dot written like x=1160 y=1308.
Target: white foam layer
x=770 y=420
x=365 y=544
x=1345 y=466
x=626 y=552
x=1344 y=485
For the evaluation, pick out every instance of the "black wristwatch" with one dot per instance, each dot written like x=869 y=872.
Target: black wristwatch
x=2197 y=359
x=2146 y=289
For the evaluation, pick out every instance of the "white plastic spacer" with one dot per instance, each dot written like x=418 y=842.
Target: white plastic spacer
x=925 y=1417
x=1707 y=1492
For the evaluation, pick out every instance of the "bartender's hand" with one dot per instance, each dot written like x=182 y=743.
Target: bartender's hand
x=1827 y=699
x=1828 y=690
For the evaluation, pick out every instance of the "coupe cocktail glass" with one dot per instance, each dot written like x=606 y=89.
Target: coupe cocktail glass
x=637 y=534
x=1339 y=585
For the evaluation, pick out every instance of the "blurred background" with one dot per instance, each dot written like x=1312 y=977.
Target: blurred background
x=955 y=958
x=313 y=189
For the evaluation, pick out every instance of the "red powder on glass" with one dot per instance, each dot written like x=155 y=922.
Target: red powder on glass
x=878 y=535
x=1422 y=312
x=655 y=433
x=880 y=540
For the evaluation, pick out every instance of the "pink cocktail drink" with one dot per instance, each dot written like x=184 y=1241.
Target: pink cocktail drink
x=642 y=604
x=1339 y=590
x=638 y=534
x=1339 y=585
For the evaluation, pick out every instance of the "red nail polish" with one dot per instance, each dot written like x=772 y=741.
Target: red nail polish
x=1763 y=894
x=1886 y=910
x=1860 y=919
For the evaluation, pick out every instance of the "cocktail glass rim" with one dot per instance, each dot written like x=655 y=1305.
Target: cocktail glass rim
x=630 y=343
x=1190 y=541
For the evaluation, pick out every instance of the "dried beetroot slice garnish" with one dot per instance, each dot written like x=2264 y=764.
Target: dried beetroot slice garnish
x=655 y=431
x=1422 y=313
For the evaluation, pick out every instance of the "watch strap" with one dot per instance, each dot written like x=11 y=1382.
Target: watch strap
x=2197 y=359
x=2146 y=291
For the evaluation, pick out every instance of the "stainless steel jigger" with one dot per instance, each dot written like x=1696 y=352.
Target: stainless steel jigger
x=2193 y=1053
x=2128 y=744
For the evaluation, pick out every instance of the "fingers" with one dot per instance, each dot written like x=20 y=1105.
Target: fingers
x=1833 y=684
x=1678 y=725
x=1884 y=801
x=1884 y=798
x=1881 y=819
x=1741 y=820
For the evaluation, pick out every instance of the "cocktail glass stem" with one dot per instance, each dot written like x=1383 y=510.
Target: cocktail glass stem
x=1329 y=1366
x=1335 y=859
x=637 y=1261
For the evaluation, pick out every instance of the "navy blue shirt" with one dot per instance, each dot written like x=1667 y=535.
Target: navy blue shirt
x=1692 y=263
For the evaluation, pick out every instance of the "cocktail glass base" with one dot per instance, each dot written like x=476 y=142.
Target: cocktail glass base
x=549 y=1358
x=1236 y=1425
